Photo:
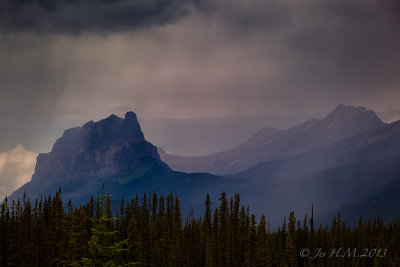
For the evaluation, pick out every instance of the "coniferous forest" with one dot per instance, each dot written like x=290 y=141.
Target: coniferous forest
x=151 y=231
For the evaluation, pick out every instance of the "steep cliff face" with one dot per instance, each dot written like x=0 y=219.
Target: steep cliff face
x=98 y=150
x=111 y=151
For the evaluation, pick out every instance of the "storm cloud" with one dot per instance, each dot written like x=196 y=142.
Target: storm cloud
x=77 y=16
x=182 y=63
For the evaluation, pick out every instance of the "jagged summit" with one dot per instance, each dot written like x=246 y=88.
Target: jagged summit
x=349 y=112
x=343 y=111
x=98 y=150
x=345 y=117
x=91 y=135
x=130 y=115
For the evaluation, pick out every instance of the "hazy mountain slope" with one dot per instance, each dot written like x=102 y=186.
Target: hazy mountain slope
x=268 y=145
x=385 y=203
x=380 y=143
x=330 y=190
x=356 y=176
x=207 y=163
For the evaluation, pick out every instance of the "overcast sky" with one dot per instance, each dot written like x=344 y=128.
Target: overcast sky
x=202 y=75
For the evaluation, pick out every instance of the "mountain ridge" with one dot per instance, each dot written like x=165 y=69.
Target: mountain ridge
x=343 y=122
x=379 y=143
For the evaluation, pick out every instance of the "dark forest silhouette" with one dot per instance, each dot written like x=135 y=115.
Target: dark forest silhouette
x=149 y=231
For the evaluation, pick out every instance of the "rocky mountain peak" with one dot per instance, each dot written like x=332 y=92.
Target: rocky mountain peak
x=344 y=113
x=91 y=135
x=109 y=147
x=130 y=115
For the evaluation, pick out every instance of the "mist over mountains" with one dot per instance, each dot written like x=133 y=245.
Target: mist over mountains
x=346 y=162
x=271 y=144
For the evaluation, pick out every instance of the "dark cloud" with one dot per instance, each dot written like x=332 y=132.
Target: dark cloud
x=76 y=16
x=279 y=61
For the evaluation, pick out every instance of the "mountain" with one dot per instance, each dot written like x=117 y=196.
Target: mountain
x=109 y=148
x=347 y=162
x=356 y=176
x=271 y=144
x=379 y=143
x=113 y=151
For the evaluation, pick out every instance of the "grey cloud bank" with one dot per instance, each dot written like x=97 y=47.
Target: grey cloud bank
x=272 y=62
x=79 y=16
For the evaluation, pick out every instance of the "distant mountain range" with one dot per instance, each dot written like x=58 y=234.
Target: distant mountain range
x=272 y=144
x=355 y=172
x=347 y=162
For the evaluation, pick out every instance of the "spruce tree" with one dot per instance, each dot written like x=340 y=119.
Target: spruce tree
x=103 y=250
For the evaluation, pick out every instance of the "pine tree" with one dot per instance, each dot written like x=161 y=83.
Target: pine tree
x=135 y=243
x=224 y=257
x=103 y=250
x=208 y=248
x=262 y=246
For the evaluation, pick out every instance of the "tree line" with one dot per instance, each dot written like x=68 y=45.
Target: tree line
x=151 y=231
